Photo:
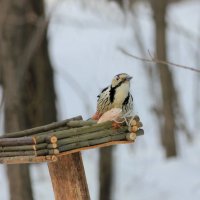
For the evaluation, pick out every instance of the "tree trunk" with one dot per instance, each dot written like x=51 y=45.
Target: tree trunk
x=105 y=173
x=166 y=79
x=29 y=99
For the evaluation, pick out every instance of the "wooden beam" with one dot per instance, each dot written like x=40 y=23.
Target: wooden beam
x=68 y=178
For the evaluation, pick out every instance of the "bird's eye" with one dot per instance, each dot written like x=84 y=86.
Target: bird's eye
x=117 y=78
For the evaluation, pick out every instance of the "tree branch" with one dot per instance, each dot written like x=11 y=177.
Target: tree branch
x=156 y=60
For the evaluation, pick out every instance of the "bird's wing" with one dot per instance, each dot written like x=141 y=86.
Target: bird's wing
x=102 y=91
x=127 y=107
x=103 y=102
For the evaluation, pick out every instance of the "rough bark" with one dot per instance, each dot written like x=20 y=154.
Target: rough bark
x=28 y=101
x=166 y=79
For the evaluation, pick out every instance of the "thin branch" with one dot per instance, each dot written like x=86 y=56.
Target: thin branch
x=156 y=60
x=39 y=129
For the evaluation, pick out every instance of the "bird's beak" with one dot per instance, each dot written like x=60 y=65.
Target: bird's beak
x=128 y=78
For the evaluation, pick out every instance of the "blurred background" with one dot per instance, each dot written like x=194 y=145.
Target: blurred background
x=57 y=55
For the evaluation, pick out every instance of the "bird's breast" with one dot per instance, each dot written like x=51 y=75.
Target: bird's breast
x=120 y=95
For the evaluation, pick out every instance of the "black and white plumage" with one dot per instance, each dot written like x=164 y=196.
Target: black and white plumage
x=117 y=95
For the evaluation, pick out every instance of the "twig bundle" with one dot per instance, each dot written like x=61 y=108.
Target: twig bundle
x=50 y=140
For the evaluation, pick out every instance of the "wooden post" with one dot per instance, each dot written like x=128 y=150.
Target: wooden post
x=68 y=178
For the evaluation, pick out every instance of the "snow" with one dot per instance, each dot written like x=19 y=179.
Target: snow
x=84 y=37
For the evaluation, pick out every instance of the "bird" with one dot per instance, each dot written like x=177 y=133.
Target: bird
x=116 y=95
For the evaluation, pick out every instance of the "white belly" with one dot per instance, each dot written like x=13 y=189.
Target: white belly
x=120 y=95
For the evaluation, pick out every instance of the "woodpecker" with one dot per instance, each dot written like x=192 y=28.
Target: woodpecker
x=117 y=95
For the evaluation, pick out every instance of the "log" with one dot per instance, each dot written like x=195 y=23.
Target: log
x=24 y=147
x=131 y=136
x=51 y=139
x=89 y=136
x=40 y=146
x=18 y=148
x=77 y=145
x=42 y=152
x=17 y=153
x=71 y=132
x=40 y=129
x=17 y=141
x=27 y=159
x=68 y=178
x=53 y=151
x=52 y=146
x=82 y=130
x=64 y=141
x=80 y=123
x=49 y=158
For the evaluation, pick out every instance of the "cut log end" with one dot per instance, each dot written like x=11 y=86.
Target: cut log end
x=54 y=151
x=52 y=158
x=51 y=139
x=131 y=136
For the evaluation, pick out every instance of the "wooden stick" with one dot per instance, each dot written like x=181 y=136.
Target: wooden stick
x=131 y=136
x=83 y=130
x=42 y=152
x=64 y=141
x=39 y=129
x=53 y=151
x=51 y=139
x=49 y=158
x=24 y=147
x=92 y=142
x=71 y=132
x=93 y=135
x=80 y=123
x=40 y=146
x=16 y=141
x=18 y=148
x=52 y=146
x=139 y=132
x=27 y=159
x=17 y=153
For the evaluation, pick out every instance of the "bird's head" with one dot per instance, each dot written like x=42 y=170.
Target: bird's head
x=120 y=79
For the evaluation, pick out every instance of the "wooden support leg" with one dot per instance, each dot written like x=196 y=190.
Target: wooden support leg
x=68 y=178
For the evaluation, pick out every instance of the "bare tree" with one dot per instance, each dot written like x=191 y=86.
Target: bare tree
x=166 y=79
x=28 y=87
x=105 y=173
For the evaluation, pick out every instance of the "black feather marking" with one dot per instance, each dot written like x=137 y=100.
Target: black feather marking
x=112 y=93
x=126 y=100
x=119 y=84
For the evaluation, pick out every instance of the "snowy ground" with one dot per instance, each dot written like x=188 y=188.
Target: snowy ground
x=84 y=37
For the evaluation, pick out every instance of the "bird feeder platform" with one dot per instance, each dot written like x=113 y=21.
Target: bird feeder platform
x=47 y=143
x=59 y=145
